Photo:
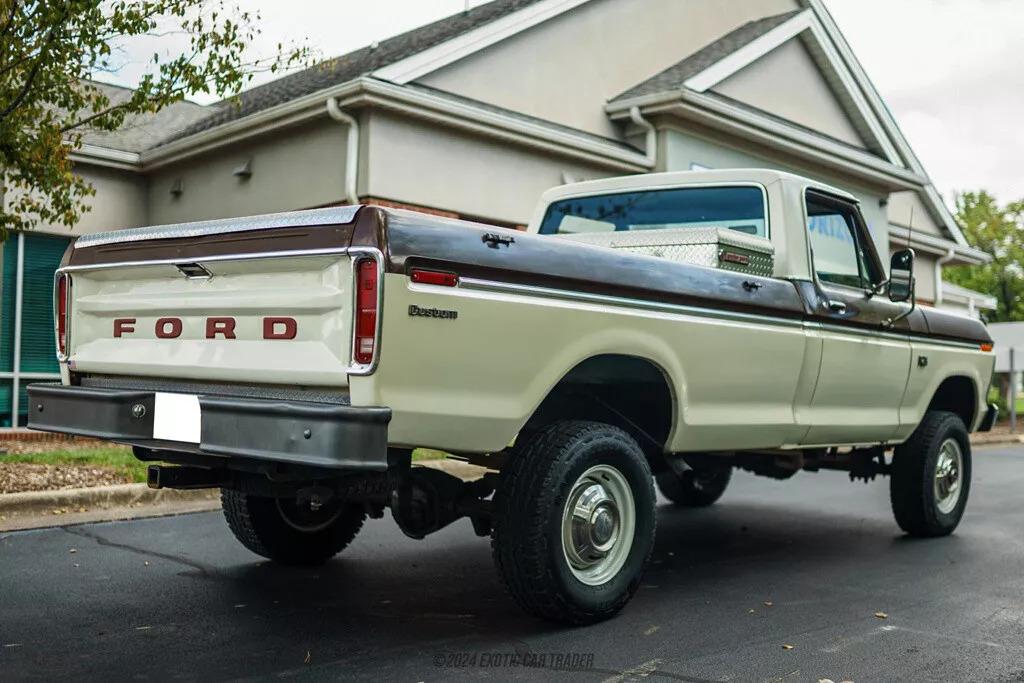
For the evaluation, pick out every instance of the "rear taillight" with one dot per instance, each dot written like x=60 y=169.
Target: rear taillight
x=62 y=315
x=365 y=339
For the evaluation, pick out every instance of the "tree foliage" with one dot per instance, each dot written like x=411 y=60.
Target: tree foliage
x=51 y=52
x=998 y=230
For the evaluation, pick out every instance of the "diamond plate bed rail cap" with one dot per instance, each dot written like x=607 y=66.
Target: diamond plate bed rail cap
x=288 y=219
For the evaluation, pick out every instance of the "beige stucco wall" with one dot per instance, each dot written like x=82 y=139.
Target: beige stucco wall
x=431 y=166
x=565 y=69
x=786 y=82
x=119 y=202
x=900 y=204
x=295 y=169
x=924 y=275
x=683 y=148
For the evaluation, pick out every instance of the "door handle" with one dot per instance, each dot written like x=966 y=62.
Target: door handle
x=836 y=306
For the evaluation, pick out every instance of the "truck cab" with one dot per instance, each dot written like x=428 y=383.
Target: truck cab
x=787 y=227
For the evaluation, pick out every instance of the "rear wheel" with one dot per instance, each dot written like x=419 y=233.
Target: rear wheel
x=281 y=529
x=696 y=487
x=931 y=476
x=574 y=521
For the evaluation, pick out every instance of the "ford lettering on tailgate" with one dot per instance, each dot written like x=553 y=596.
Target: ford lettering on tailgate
x=171 y=328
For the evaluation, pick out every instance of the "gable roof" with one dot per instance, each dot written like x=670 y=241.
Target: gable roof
x=739 y=49
x=354 y=64
x=143 y=131
x=675 y=76
x=845 y=53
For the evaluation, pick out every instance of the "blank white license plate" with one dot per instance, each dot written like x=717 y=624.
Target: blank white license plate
x=177 y=417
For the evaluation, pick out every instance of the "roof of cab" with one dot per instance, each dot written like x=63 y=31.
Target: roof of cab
x=651 y=181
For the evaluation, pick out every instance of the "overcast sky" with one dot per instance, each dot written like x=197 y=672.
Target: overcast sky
x=952 y=71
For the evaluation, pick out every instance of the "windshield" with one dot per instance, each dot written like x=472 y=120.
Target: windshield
x=736 y=208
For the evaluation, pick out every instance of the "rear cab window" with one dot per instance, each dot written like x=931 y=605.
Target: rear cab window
x=740 y=208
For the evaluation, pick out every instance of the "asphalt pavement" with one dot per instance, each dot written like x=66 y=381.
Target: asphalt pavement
x=806 y=563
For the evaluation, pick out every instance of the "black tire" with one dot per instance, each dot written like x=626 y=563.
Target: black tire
x=259 y=524
x=912 y=485
x=695 y=488
x=529 y=503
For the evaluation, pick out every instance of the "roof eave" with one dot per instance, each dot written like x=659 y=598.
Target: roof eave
x=108 y=157
x=938 y=246
x=749 y=125
x=371 y=92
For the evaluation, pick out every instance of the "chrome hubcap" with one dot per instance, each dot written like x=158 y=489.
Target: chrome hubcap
x=948 y=475
x=598 y=525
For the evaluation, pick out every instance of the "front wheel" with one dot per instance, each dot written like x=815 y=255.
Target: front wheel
x=280 y=529
x=574 y=521
x=931 y=476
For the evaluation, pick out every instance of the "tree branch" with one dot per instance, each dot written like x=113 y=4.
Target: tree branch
x=34 y=72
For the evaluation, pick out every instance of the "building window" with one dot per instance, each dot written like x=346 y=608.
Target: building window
x=27 y=350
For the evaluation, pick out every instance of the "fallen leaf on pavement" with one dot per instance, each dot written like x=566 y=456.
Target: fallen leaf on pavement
x=652 y=630
x=881 y=615
x=787 y=647
x=145 y=564
x=825 y=680
x=308 y=657
x=750 y=612
x=768 y=604
x=72 y=551
x=143 y=628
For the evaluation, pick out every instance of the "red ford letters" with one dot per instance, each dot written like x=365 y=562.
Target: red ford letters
x=224 y=327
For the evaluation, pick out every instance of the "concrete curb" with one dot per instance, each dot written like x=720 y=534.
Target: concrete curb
x=32 y=503
x=999 y=441
x=41 y=509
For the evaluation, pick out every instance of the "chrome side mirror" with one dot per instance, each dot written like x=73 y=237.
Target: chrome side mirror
x=901 y=276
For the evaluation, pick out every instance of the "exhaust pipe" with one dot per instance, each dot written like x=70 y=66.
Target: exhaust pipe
x=186 y=478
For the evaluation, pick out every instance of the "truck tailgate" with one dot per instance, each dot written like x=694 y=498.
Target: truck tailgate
x=282 y=320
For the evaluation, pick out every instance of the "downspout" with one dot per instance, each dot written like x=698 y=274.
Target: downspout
x=651 y=144
x=351 y=149
x=938 y=275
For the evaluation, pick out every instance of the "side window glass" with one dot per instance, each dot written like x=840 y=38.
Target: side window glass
x=837 y=256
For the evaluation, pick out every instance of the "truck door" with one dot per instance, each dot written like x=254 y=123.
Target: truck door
x=864 y=368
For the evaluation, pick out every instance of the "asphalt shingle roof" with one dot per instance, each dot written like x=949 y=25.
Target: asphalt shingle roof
x=143 y=131
x=352 y=65
x=674 y=76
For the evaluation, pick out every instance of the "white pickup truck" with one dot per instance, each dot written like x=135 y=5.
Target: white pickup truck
x=659 y=328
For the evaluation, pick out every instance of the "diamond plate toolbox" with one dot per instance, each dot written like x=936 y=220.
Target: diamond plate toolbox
x=711 y=247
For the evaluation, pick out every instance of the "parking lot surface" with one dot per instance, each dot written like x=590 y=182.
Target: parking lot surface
x=815 y=563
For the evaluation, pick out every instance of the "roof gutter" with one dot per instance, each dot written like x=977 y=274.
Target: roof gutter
x=651 y=143
x=351 y=148
x=368 y=92
x=950 y=255
x=721 y=116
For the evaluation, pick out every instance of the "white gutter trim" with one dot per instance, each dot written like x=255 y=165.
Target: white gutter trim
x=351 y=149
x=106 y=156
x=751 y=126
x=936 y=245
x=651 y=142
x=749 y=53
x=443 y=54
x=372 y=92
x=950 y=255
